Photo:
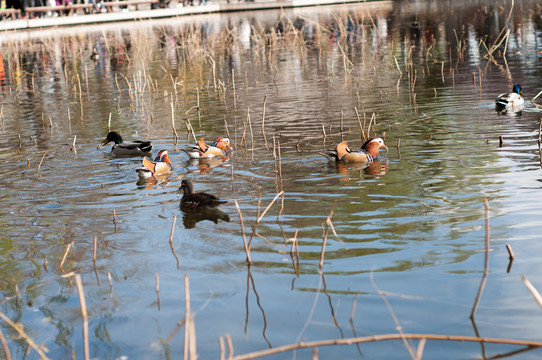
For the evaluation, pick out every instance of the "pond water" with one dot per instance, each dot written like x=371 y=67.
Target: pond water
x=284 y=86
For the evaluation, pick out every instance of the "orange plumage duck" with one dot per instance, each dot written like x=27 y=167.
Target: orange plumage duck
x=221 y=147
x=160 y=165
x=367 y=155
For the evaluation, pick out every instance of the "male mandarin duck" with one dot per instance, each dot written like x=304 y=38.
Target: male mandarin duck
x=515 y=98
x=95 y=56
x=192 y=201
x=221 y=147
x=133 y=148
x=160 y=165
x=368 y=153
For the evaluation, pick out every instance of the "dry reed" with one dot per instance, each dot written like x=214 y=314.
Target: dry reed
x=171 y=241
x=23 y=334
x=65 y=255
x=84 y=314
x=486 y=263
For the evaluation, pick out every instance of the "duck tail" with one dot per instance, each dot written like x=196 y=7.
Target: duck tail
x=331 y=155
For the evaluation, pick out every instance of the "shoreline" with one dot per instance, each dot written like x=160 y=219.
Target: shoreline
x=209 y=8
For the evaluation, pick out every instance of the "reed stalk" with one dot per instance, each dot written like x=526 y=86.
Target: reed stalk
x=5 y=346
x=171 y=241
x=65 y=255
x=247 y=248
x=486 y=263
x=84 y=314
x=20 y=330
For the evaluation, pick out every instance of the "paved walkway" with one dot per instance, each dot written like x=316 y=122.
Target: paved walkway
x=211 y=7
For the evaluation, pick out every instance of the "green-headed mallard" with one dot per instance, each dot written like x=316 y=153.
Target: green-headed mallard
x=133 y=148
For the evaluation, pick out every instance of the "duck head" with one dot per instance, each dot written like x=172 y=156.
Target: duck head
x=113 y=136
x=517 y=89
x=162 y=156
x=373 y=145
x=223 y=143
x=187 y=187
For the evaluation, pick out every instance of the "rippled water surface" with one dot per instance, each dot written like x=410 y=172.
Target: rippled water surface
x=409 y=246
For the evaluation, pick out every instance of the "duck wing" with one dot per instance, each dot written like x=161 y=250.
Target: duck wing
x=134 y=147
x=330 y=154
x=199 y=201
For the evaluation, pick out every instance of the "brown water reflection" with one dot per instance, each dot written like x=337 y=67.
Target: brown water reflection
x=277 y=84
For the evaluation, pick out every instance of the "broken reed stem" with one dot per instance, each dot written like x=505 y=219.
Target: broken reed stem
x=94 y=250
x=39 y=165
x=294 y=242
x=171 y=241
x=382 y=337
x=247 y=249
x=80 y=95
x=109 y=123
x=222 y=347
x=84 y=314
x=251 y=133
x=187 y=325
x=73 y=145
x=533 y=99
x=65 y=255
x=94 y=260
x=532 y=289
x=191 y=129
x=233 y=84
x=175 y=136
x=263 y=122
x=486 y=263
x=510 y=252
x=230 y=346
x=359 y=122
x=280 y=164
x=115 y=220
x=5 y=346
x=261 y=216
x=157 y=289
x=110 y=285
x=341 y=125
x=322 y=253
x=21 y=332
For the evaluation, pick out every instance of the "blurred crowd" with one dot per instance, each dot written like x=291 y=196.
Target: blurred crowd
x=65 y=8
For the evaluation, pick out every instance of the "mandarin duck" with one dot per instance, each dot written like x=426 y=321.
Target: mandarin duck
x=221 y=147
x=200 y=201
x=368 y=153
x=161 y=165
x=95 y=56
x=515 y=98
x=133 y=148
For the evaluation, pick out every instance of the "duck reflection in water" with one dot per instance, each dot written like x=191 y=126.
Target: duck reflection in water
x=376 y=169
x=515 y=111
x=157 y=180
x=205 y=165
x=200 y=206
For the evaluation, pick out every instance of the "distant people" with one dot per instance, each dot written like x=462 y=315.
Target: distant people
x=16 y=4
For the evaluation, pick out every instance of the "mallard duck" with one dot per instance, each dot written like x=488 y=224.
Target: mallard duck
x=160 y=165
x=192 y=201
x=134 y=148
x=221 y=147
x=368 y=153
x=513 y=99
